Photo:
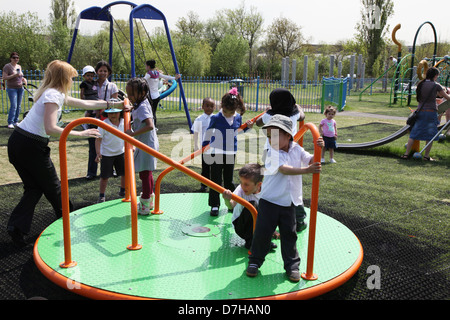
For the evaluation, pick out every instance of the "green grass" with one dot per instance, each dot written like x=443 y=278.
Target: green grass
x=398 y=209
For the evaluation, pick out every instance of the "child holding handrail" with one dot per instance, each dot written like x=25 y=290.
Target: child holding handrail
x=281 y=192
x=283 y=102
x=143 y=129
x=222 y=137
x=110 y=151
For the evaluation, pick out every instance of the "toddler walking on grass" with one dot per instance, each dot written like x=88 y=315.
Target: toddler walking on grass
x=328 y=130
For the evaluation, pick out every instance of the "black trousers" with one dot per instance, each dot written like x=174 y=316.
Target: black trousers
x=243 y=225
x=206 y=170
x=92 y=165
x=270 y=216
x=222 y=169
x=154 y=103
x=31 y=158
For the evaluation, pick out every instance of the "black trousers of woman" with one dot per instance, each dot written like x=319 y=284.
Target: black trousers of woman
x=154 y=103
x=31 y=158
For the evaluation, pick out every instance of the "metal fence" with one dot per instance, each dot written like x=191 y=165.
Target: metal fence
x=255 y=91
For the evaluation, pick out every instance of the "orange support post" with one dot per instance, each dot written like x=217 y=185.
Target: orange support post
x=68 y=263
x=300 y=125
x=130 y=183
x=416 y=146
x=309 y=275
x=156 y=209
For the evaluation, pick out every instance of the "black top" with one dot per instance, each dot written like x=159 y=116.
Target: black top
x=90 y=90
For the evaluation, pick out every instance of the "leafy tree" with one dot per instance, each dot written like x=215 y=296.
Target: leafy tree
x=190 y=25
x=216 y=29
x=372 y=29
x=284 y=36
x=248 y=25
x=25 y=34
x=60 y=39
x=193 y=56
x=229 y=58
x=63 y=11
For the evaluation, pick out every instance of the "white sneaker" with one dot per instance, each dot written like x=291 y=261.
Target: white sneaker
x=11 y=126
x=101 y=199
x=322 y=160
x=332 y=161
x=143 y=206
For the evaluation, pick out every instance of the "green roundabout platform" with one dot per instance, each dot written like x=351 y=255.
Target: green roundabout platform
x=186 y=255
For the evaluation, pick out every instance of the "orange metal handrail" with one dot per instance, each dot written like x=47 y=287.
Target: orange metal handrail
x=309 y=275
x=156 y=209
x=131 y=185
x=68 y=262
x=158 y=182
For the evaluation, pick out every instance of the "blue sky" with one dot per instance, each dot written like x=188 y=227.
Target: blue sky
x=325 y=21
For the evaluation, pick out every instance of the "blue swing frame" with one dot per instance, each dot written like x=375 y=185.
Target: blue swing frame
x=144 y=11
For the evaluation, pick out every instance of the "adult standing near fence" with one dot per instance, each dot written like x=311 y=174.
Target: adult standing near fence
x=28 y=149
x=13 y=76
x=426 y=126
x=106 y=91
x=153 y=75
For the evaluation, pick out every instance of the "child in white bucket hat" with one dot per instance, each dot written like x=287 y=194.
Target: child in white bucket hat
x=281 y=192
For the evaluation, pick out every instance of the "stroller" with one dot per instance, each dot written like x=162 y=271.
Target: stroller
x=31 y=88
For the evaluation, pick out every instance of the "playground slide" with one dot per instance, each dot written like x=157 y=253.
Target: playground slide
x=400 y=133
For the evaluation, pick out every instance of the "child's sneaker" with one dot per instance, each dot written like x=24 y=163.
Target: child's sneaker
x=252 y=270
x=214 y=212
x=101 y=199
x=332 y=160
x=143 y=206
x=151 y=206
x=301 y=226
x=322 y=160
x=293 y=275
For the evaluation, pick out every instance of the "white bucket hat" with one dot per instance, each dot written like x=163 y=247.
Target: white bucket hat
x=88 y=69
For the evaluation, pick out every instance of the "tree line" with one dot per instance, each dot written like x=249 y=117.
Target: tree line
x=232 y=43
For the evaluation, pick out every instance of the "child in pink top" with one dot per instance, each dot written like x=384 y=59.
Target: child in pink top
x=328 y=130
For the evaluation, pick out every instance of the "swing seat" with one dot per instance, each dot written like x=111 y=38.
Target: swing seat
x=174 y=85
